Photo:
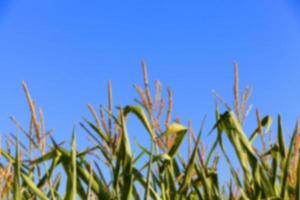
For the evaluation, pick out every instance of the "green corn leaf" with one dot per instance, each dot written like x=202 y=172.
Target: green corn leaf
x=71 y=170
x=125 y=143
x=135 y=193
x=206 y=183
x=240 y=143
x=126 y=160
x=98 y=131
x=191 y=165
x=266 y=183
x=212 y=150
x=139 y=112
x=97 y=185
x=81 y=189
x=7 y=156
x=274 y=169
x=234 y=125
x=17 y=175
x=298 y=181
x=232 y=170
x=33 y=187
x=265 y=122
x=164 y=158
x=106 y=154
x=284 y=183
x=139 y=177
x=138 y=157
x=74 y=168
x=48 y=156
x=180 y=132
x=281 y=137
x=48 y=174
x=149 y=174
x=89 y=190
x=56 y=185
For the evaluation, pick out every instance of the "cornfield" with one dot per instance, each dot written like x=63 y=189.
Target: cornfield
x=39 y=167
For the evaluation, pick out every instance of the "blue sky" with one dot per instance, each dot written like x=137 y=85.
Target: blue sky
x=68 y=50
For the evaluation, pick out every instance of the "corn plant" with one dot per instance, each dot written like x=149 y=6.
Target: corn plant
x=39 y=167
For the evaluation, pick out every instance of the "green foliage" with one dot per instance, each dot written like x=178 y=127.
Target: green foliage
x=48 y=170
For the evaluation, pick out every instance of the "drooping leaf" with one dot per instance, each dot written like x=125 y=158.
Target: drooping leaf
x=179 y=131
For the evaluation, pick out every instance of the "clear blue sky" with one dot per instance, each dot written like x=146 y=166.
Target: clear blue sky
x=68 y=50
